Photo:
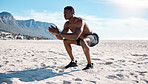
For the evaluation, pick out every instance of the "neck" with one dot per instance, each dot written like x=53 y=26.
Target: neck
x=71 y=20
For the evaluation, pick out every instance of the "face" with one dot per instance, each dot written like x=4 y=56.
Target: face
x=68 y=14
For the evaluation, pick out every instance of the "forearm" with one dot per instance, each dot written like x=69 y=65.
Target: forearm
x=70 y=36
x=59 y=37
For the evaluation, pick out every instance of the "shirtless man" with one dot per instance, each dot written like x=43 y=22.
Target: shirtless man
x=81 y=35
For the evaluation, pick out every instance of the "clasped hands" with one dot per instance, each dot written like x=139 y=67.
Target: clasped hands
x=53 y=30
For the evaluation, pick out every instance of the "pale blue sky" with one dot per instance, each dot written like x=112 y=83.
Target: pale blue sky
x=111 y=19
x=81 y=6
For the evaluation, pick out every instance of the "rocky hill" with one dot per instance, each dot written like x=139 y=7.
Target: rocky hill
x=25 y=27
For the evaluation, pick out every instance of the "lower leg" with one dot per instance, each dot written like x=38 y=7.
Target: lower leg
x=86 y=51
x=87 y=54
x=69 y=50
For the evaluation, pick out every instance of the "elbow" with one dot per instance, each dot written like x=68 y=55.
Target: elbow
x=70 y=37
x=75 y=38
x=60 y=38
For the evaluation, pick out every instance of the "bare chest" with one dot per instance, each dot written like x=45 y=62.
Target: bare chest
x=72 y=27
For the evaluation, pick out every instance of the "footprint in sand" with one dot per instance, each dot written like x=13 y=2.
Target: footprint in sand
x=66 y=82
x=96 y=59
x=142 y=72
x=12 y=81
x=50 y=83
x=78 y=79
x=121 y=60
x=117 y=76
x=144 y=55
x=111 y=77
x=95 y=53
x=1 y=65
x=109 y=63
x=111 y=58
x=146 y=81
x=6 y=62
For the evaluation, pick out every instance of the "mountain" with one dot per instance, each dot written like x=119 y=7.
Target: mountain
x=25 y=27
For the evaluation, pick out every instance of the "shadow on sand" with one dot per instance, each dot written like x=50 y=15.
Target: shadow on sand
x=31 y=74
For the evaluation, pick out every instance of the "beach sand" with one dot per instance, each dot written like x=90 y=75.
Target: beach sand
x=42 y=62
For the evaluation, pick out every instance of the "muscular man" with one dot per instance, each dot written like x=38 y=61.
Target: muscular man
x=81 y=35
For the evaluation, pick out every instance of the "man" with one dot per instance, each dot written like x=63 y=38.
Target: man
x=81 y=35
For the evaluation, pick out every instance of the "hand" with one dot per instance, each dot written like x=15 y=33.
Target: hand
x=53 y=30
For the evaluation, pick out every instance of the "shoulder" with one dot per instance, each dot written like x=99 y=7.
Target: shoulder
x=79 y=19
x=66 y=23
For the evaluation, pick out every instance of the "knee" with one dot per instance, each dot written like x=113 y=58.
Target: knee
x=65 y=41
x=84 y=45
x=83 y=42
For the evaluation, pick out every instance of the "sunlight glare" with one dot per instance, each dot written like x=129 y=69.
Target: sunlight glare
x=132 y=7
x=132 y=3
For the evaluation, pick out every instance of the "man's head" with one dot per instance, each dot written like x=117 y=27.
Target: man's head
x=68 y=12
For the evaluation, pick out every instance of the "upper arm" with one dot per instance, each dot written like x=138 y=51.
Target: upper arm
x=79 y=28
x=75 y=33
x=66 y=29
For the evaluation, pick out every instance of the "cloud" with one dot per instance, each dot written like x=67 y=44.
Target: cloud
x=132 y=7
x=101 y=1
x=107 y=28
x=118 y=28
x=124 y=28
x=136 y=8
x=131 y=3
x=125 y=3
x=22 y=18
x=93 y=22
x=45 y=16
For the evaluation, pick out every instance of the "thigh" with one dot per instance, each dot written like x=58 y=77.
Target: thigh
x=87 y=41
x=70 y=41
x=93 y=39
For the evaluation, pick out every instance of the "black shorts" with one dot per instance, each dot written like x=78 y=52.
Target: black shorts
x=94 y=38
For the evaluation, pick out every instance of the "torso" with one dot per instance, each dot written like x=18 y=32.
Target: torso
x=85 y=29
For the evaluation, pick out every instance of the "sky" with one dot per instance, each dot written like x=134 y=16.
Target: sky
x=110 y=19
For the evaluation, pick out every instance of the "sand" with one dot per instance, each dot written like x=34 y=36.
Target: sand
x=42 y=62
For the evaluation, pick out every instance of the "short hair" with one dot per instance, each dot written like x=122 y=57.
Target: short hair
x=69 y=8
